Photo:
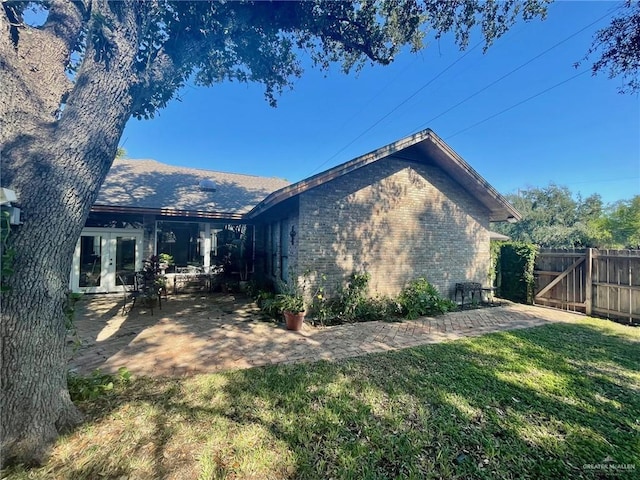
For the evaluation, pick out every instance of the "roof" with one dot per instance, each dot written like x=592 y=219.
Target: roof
x=425 y=147
x=153 y=187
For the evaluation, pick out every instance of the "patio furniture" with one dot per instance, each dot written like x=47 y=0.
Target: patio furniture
x=466 y=288
x=194 y=278
x=130 y=292
x=142 y=287
x=490 y=295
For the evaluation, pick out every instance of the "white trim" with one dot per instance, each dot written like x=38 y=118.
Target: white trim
x=108 y=247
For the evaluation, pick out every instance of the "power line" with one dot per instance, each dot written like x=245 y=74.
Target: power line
x=610 y=12
x=517 y=104
x=377 y=94
x=395 y=108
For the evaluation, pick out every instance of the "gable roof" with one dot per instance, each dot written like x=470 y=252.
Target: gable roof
x=425 y=147
x=149 y=186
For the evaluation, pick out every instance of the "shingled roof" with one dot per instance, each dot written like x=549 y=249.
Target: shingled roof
x=154 y=187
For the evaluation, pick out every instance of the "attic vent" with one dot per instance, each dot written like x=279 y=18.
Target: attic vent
x=207 y=185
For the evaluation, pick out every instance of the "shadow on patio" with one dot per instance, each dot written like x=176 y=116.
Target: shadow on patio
x=210 y=333
x=190 y=333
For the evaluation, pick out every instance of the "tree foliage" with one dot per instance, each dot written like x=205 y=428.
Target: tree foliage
x=623 y=223
x=617 y=48
x=552 y=217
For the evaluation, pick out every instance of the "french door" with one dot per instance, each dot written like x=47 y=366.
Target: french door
x=103 y=256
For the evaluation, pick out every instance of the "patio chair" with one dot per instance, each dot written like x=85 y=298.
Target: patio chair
x=131 y=292
x=145 y=287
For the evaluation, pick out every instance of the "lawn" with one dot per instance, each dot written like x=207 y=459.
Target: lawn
x=558 y=401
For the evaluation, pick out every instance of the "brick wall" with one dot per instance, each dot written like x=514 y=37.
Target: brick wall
x=397 y=220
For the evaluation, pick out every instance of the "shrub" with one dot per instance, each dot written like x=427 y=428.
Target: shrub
x=421 y=298
x=258 y=285
x=351 y=296
x=321 y=308
x=516 y=263
x=95 y=385
x=268 y=304
x=378 y=308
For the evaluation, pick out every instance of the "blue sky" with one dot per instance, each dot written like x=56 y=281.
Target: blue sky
x=582 y=134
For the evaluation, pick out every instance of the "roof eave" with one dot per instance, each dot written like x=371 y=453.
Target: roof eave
x=323 y=177
x=168 y=212
x=499 y=208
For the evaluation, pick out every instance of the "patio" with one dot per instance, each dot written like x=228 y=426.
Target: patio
x=209 y=333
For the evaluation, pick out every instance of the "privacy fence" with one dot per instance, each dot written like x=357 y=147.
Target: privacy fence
x=596 y=282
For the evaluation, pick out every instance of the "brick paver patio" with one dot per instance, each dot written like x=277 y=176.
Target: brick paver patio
x=198 y=334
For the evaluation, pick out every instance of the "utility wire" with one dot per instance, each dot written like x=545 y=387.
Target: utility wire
x=395 y=108
x=513 y=71
x=610 y=12
x=517 y=104
x=377 y=94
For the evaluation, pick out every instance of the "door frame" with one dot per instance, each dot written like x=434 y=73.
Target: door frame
x=108 y=245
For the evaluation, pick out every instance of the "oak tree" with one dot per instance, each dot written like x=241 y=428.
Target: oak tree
x=71 y=82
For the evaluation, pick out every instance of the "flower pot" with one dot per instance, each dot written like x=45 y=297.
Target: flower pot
x=294 y=320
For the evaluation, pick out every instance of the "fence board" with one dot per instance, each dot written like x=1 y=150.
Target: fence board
x=606 y=283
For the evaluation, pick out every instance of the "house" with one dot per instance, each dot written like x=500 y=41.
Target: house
x=410 y=209
x=145 y=207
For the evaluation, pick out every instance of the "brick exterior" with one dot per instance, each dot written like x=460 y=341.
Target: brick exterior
x=397 y=220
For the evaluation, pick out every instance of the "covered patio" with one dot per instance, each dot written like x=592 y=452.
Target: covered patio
x=208 y=333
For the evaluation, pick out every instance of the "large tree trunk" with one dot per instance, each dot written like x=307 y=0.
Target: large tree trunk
x=56 y=163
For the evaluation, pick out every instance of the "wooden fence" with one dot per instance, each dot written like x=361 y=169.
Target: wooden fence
x=596 y=282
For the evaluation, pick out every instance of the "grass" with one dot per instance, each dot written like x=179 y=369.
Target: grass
x=548 y=402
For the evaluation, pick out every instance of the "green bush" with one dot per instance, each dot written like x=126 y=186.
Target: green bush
x=95 y=385
x=321 y=308
x=515 y=266
x=351 y=303
x=351 y=296
x=421 y=298
x=378 y=308
x=268 y=304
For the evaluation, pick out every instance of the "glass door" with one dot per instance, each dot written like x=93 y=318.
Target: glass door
x=125 y=258
x=90 y=268
x=102 y=257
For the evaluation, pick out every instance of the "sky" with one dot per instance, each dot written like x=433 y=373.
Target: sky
x=528 y=129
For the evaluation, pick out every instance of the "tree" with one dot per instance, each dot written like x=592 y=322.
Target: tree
x=552 y=218
x=618 y=48
x=623 y=221
x=70 y=85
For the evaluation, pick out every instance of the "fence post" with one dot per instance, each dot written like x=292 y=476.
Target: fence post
x=588 y=281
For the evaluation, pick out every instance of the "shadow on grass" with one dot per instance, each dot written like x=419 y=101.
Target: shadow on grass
x=546 y=402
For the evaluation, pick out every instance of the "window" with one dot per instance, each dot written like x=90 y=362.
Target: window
x=205 y=245
x=181 y=240
x=284 y=252
x=274 y=247
x=268 y=249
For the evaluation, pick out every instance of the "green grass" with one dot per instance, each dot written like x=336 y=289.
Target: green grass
x=546 y=402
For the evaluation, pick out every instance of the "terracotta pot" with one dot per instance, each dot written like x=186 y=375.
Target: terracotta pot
x=294 y=320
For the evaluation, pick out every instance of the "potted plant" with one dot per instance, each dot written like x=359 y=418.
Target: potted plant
x=292 y=307
x=164 y=261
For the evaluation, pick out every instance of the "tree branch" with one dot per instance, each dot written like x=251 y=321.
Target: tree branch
x=66 y=20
